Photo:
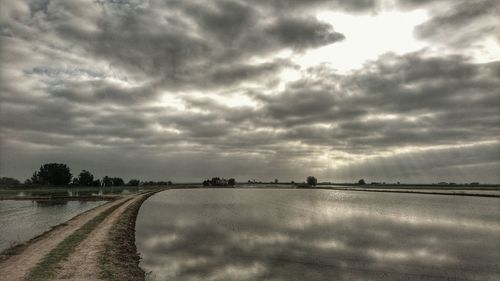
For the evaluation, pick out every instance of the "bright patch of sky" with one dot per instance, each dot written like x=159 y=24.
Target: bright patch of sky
x=367 y=37
x=487 y=50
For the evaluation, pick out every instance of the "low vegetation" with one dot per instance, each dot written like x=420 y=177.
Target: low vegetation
x=217 y=181
x=58 y=174
x=9 y=181
x=312 y=181
x=120 y=260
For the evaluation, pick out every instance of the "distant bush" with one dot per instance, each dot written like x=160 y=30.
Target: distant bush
x=157 y=183
x=217 y=181
x=312 y=181
x=107 y=181
x=133 y=182
x=118 y=182
x=361 y=182
x=85 y=178
x=9 y=181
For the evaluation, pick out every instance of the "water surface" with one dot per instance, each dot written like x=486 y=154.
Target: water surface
x=257 y=234
x=72 y=191
x=22 y=220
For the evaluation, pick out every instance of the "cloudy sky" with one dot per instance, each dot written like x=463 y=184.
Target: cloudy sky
x=396 y=90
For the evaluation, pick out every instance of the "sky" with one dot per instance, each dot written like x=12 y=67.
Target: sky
x=385 y=90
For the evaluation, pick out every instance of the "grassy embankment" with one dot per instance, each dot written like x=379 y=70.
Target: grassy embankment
x=47 y=268
x=120 y=260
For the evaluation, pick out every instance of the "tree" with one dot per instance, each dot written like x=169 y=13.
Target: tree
x=312 y=181
x=107 y=181
x=9 y=181
x=118 y=181
x=275 y=180
x=33 y=180
x=361 y=182
x=85 y=178
x=52 y=173
x=216 y=181
x=133 y=182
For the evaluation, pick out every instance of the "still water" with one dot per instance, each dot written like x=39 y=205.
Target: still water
x=74 y=191
x=250 y=234
x=22 y=220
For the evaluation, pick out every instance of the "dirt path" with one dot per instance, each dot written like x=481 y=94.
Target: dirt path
x=83 y=263
x=18 y=266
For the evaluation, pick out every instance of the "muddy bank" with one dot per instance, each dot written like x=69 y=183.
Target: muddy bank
x=120 y=259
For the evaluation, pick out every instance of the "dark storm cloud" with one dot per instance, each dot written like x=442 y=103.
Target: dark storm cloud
x=294 y=5
x=301 y=33
x=408 y=100
x=174 y=41
x=226 y=20
x=96 y=92
x=229 y=75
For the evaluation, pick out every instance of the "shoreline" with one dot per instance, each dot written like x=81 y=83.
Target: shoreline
x=459 y=193
x=120 y=258
x=63 y=198
x=21 y=261
x=18 y=248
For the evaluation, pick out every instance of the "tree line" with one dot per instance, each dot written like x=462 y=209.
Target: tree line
x=217 y=181
x=60 y=174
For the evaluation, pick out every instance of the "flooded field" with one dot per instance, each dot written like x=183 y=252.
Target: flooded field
x=22 y=220
x=265 y=234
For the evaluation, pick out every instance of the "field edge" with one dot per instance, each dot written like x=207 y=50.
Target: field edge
x=120 y=258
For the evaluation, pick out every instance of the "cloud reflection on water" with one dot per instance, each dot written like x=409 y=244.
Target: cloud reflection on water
x=318 y=235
